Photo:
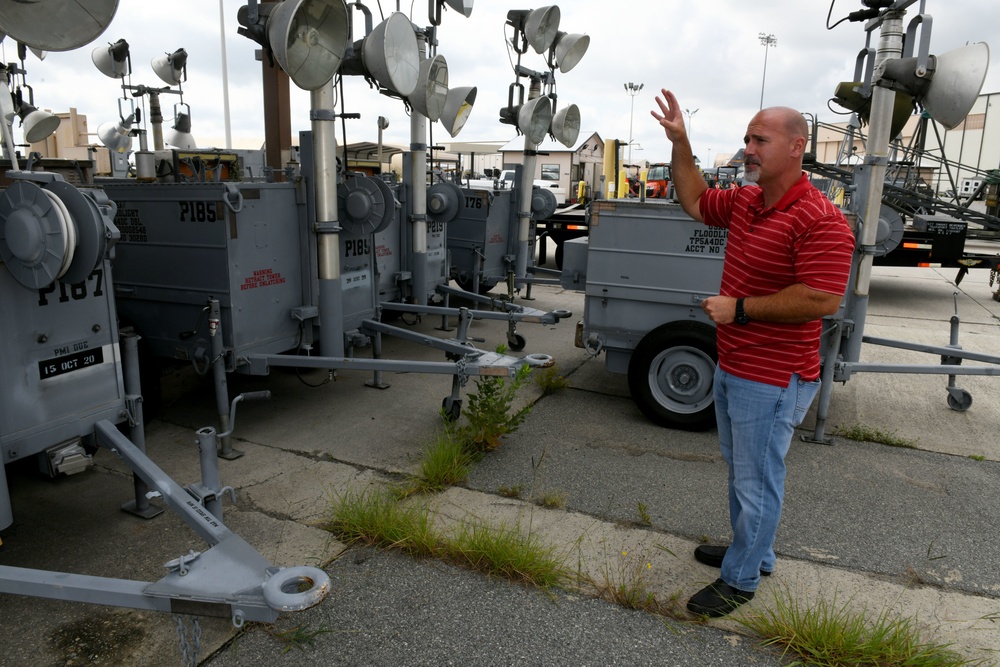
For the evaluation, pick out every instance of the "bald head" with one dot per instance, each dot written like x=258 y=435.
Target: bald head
x=775 y=144
x=791 y=122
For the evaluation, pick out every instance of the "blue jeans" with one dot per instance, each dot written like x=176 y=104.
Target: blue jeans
x=756 y=422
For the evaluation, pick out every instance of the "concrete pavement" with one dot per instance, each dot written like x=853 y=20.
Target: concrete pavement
x=914 y=529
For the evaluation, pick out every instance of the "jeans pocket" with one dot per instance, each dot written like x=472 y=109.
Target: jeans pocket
x=806 y=393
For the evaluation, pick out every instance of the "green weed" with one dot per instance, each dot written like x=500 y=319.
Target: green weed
x=550 y=381
x=861 y=433
x=824 y=633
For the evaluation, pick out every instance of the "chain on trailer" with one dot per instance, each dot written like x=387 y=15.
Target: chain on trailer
x=643 y=280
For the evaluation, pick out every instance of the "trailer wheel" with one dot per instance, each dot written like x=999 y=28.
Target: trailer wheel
x=670 y=375
x=451 y=408
x=959 y=400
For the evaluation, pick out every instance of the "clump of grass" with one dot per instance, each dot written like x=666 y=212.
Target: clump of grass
x=554 y=499
x=828 y=634
x=623 y=581
x=298 y=637
x=977 y=457
x=445 y=463
x=862 y=433
x=550 y=381
x=513 y=491
x=507 y=552
x=375 y=518
x=378 y=519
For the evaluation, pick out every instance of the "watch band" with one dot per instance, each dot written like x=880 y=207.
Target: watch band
x=741 y=314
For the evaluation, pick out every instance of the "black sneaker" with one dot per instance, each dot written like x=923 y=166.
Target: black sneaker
x=712 y=556
x=717 y=599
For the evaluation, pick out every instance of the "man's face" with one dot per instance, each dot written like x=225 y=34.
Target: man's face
x=770 y=152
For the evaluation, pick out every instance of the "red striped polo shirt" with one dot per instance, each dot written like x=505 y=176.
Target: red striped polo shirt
x=804 y=239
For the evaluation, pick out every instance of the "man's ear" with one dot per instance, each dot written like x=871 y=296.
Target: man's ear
x=798 y=147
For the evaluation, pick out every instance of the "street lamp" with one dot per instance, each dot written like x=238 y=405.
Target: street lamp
x=690 y=125
x=765 y=41
x=632 y=89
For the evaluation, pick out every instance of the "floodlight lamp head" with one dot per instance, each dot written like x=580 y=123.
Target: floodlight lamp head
x=308 y=39
x=391 y=54
x=849 y=95
x=431 y=93
x=117 y=136
x=534 y=118
x=462 y=6
x=171 y=67
x=541 y=26
x=113 y=60
x=566 y=125
x=458 y=108
x=949 y=87
x=56 y=25
x=37 y=125
x=179 y=136
x=569 y=50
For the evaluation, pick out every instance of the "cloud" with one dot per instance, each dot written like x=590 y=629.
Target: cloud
x=708 y=53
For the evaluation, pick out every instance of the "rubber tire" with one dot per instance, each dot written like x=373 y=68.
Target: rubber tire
x=962 y=404
x=516 y=343
x=686 y=352
x=559 y=256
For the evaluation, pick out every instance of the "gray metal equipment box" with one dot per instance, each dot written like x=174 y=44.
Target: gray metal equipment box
x=647 y=264
x=183 y=244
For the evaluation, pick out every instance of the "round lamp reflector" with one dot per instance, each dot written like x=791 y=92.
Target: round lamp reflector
x=309 y=38
x=391 y=54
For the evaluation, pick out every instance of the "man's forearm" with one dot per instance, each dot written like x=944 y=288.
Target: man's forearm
x=792 y=305
x=688 y=182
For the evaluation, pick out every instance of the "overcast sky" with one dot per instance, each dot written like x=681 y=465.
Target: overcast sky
x=708 y=53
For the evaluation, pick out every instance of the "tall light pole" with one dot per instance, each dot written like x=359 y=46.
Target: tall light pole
x=765 y=41
x=632 y=89
x=690 y=125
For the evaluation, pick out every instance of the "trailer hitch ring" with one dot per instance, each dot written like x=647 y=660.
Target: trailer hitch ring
x=538 y=360
x=282 y=589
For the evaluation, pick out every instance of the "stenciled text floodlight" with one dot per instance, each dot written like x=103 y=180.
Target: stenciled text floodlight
x=37 y=125
x=117 y=136
x=949 y=86
x=171 y=67
x=113 y=60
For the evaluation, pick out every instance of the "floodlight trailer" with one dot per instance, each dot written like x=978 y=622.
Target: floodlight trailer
x=646 y=267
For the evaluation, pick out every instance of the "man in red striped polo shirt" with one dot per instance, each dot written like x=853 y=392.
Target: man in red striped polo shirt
x=788 y=258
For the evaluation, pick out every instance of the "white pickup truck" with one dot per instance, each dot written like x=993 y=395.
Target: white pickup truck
x=505 y=181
